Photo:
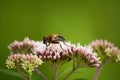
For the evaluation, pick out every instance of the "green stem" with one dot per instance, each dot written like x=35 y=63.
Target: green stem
x=99 y=68
x=30 y=75
x=70 y=73
x=21 y=72
x=77 y=62
x=40 y=74
x=55 y=72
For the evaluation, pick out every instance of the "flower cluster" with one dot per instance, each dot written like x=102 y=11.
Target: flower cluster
x=66 y=50
x=29 y=54
x=106 y=49
x=22 y=47
x=86 y=55
x=27 y=62
x=62 y=51
x=53 y=51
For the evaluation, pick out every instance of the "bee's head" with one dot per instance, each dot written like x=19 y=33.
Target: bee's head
x=44 y=40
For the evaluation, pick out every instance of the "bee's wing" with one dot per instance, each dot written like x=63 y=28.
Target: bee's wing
x=60 y=38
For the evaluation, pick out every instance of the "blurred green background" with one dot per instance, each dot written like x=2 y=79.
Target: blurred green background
x=77 y=20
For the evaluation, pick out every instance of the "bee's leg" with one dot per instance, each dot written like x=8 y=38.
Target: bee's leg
x=65 y=43
x=47 y=44
x=61 y=47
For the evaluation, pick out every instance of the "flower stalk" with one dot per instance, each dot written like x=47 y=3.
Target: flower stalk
x=22 y=74
x=99 y=68
x=71 y=72
x=55 y=69
x=40 y=74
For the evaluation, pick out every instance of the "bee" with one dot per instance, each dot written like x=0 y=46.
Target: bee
x=53 y=38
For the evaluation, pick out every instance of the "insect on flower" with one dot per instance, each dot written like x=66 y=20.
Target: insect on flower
x=54 y=39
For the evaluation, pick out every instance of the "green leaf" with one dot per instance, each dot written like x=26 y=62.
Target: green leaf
x=36 y=77
x=9 y=72
x=80 y=79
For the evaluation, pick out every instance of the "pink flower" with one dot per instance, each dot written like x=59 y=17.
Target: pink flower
x=87 y=56
x=106 y=49
x=62 y=51
x=22 y=47
x=53 y=51
x=28 y=62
